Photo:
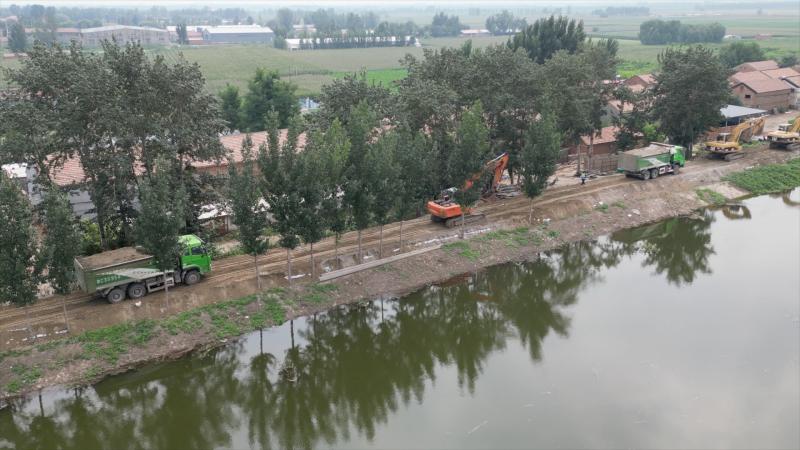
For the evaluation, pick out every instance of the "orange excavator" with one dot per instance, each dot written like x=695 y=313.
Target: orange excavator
x=445 y=210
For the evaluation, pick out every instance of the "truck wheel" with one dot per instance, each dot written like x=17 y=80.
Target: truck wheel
x=116 y=295
x=136 y=290
x=191 y=277
x=646 y=175
x=654 y=173
x=676 y=168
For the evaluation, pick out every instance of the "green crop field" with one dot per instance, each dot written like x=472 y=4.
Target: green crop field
x=311 y=69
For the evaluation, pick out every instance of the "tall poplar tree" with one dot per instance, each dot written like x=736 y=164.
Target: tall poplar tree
x=470 y=153
x=383 y=182
x=539 y=157
x=18 y=280
x=59 y=248
x=161 y=217
x=357 y=195
x=244 y=195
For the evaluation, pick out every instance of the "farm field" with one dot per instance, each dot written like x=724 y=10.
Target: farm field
x=311 y=69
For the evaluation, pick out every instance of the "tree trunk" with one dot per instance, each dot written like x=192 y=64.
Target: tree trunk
x=578 y=173
x=380 y=243
x=360 y=260
x=462 y=225
x=591 y=152
x=400 y=250
x=289 y=265
x=64 y=307
x=313 y=269
x=166 y=289
x=258 y=275
x=336 y=251
x=530 y=213
x=30 y=326
x=291 y=330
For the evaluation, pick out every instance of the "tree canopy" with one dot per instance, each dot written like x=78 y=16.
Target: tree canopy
x=546 y=36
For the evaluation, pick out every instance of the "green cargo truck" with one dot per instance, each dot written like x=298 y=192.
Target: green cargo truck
x=128 y=272
x=651 y=161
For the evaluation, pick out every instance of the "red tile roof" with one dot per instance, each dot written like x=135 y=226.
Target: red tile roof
x=780 y=73
x=764 y=86
x=646 y=79
x=741 y=77
x=604 y=136
x=758 y=65
x=71 y=172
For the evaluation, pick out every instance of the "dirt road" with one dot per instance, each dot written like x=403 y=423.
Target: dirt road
x=234 y=276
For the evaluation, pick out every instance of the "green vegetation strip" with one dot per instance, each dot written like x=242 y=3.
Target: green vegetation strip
x=711 y=197
x=768 y=179
x=222 y=320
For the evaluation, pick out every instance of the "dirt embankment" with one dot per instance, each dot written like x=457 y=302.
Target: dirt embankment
x=116 y=339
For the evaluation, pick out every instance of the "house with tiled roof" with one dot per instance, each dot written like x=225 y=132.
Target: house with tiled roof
x=754 y=66
x=768 y=94
x=70 y=177
x=638 y=83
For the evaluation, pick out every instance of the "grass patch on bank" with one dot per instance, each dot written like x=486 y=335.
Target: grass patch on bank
x=711 y=197
x=463 y=248
x=768 y=179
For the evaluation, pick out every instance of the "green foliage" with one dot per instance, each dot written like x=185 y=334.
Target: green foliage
x=444 y=25
x=267 y=92
x=357 y=196
x=789 y=60
x=769 y=178
x=547 y=36
x=504 y=23
x=59 y=249
x=18 y=279
x=602 y=207
x=628 y=68
x=244 y=194
x=231 y=105
x=185 y=322
x=470 y=153
x=161 y=218
x=738 y=52
x=110 y=343
x=711 y=197
x=657 y=31
x=183 y=36
x=691 y=88
x=17 y=39
x=539 y=156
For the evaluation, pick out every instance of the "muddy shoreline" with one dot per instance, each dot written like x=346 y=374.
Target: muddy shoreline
x=86 y=360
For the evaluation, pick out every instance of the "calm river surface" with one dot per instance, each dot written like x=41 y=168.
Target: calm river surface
x=683 y=334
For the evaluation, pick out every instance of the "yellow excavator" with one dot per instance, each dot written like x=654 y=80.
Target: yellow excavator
x=787 y=136
x=729 y=145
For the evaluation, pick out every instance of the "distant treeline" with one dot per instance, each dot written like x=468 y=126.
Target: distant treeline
x=622 y=11
x=655 y=32
x=363 y=41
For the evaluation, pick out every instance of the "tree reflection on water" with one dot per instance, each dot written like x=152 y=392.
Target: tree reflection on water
x=355 y=365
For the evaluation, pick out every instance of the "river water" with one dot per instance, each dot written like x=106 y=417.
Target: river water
x=682 y=334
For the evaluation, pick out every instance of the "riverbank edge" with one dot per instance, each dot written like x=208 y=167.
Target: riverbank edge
x=88 y=358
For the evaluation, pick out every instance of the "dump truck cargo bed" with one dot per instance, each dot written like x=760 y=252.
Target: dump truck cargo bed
x=88 y=268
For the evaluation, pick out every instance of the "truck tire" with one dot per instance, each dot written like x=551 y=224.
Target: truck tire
x=115 y=295
x=676 y=168
x=191 y=277
x=136 y=291
x=654 y=173
x=646 y=175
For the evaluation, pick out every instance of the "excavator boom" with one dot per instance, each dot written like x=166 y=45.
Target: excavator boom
x=728 y=146
x=444 y=209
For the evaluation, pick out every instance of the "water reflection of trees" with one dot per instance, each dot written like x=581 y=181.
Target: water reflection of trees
x=355 y=365
x=677 y=248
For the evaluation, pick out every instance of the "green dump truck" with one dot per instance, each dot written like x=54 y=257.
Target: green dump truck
x=651 y=161
x=128 y=272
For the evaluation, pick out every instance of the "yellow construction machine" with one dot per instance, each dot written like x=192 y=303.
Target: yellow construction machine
x=787 y=136
x=729 y=145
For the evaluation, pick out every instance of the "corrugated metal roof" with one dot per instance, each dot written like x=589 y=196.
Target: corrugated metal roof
x=239 y=29
x=732 y=111
x=120 y=27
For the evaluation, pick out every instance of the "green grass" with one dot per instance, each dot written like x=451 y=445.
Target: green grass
x=602 y=207
x=711 y=197
x=768 y=179
x=463 y=248
x=23 y=376
x=517 y=237
x=619 y=204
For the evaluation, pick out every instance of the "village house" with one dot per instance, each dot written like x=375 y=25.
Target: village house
x=638 y=83
x=756 y=66
x=605 y=142
x=71 y=178
x=767 y=94
x=238 y=34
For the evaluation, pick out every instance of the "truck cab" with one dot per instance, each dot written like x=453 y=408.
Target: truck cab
x=195 y=255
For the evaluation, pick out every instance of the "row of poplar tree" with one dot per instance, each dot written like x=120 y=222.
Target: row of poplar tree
x=372 y=154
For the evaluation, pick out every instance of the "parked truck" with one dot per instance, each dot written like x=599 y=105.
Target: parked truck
x=651 y=161
x=129 y=272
